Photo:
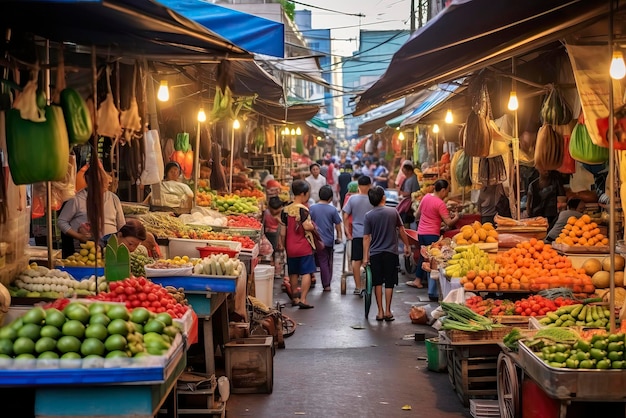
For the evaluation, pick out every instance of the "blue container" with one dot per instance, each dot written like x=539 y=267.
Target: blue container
x=199 y=283
x=80 y=273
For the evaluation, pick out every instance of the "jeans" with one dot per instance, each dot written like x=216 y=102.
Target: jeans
x=325 y=263
x=422 y=275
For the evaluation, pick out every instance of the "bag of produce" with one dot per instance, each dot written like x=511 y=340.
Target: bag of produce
x=582 y=148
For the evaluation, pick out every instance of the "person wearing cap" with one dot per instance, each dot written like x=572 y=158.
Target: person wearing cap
x=272 y=189
x=316 y=181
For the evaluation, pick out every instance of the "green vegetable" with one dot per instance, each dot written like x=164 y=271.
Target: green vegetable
x=38 y=151
x=618 y=364
x=600 y=344
x=603 y=364
x=615 y=355
x=597 y=354
x=571 y=363
x=557 y=334
x=586 y=364
x=77 y=117
x=464 y=319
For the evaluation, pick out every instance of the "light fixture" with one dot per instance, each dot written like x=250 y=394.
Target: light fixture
x=236 y=124
x=513 y=103
x=298 y=131
x=163 y=93
x=319 y=138
x=449 y=118
x=285 y=131
x=201 y=115
x=618 y=68
x=401 y=136
x=436 y=128
x=293 y=132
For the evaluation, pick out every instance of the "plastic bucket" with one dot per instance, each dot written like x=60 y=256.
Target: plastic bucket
x=264 y=283
x=436 y=355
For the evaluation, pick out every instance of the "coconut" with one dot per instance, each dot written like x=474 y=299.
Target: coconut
x=618 y=260
x=592 y=266
x=601 y=280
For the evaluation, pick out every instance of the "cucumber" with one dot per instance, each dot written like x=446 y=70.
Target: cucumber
x=583 y=313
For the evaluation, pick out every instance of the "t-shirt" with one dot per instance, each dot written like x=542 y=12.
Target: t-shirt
x=316 y=184
x=382 y=224
x=380 y=172
x=357 y=206
x=174 y=193
x=74 y=213
x=432 y=211
x=296 y=244
x=410 y=184
x=325 y=217
x=562 y=221
x=269 y=221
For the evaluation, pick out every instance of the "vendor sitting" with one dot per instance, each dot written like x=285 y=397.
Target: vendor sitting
x=132 y=235
x=575 y=208
x=171 y=192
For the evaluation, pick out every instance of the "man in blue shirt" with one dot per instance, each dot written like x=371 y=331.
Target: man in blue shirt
x=326 y=218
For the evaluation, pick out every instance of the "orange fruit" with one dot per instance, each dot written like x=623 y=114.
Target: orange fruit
x=468 y=286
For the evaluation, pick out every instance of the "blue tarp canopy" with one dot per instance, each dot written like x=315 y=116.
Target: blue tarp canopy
x=435 y=97
x=252 y=33
x=134 y=28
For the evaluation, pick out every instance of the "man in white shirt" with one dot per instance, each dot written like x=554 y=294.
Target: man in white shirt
x=316 y=181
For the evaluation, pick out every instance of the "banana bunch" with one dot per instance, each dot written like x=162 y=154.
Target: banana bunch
x=222 y=104
x=5 y=301
x=466 y=259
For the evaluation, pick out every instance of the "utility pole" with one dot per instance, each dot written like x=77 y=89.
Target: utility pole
x=413 y=16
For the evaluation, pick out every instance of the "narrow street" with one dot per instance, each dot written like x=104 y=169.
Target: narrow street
x=337 y=364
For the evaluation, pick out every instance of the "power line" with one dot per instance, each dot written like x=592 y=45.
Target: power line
x=329 y=10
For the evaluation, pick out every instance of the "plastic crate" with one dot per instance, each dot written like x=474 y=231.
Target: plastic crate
x=208 y=250
x=250 y=365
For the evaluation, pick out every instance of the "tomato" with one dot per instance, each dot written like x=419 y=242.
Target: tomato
x=519 y=310
x=142 y=281
x=119 y=290
x=527 y=311
x=156 y=304
x=130 y=290
x=135 y=303
x=142 y=296
x=152 y=297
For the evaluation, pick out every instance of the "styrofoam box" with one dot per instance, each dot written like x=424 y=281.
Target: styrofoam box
x=184 y=246
x=264 y=284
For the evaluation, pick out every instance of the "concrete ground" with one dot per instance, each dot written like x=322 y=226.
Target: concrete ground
x=339 y=364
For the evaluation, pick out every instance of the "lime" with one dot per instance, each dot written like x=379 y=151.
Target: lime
x=31 y=331
x=50 y=331
x=55 y=317
x=140 y=315
x=6 y=346
x=98 y=307
x=25 y=356
x=154 y=325
x=115 y=342
x=118 y=312
x=77 y=311
x=17 y=324
x=50 y=355
x=8 y=333
x=118 y=326
x=98 y=331
x=23 y=345
x=5 y=356
x=117 y=354
x=92 y=346
x=73 y=328
x=70 y=355
x=99 y=318
x=164 y=317
x=66 y=344
x=34 y=316
x=45 y=344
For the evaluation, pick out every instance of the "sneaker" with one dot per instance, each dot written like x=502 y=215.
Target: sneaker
x=357 y=291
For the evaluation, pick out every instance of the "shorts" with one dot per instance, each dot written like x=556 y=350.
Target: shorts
x=357 y=249
x=384 y=268
x=301 y=265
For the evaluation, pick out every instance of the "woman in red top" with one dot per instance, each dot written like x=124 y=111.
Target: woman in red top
x=297 y=240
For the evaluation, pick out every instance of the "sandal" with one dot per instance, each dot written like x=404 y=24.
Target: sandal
x=389 y=318
x=357 y=291
x=415 y=285
x=303 y=305
x=380 y=318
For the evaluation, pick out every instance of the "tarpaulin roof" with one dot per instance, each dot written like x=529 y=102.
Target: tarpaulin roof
x=125 y=27
x=435 y=96
x=472 y=34
x=253 y=33
x=373 y=125
x=299 y=113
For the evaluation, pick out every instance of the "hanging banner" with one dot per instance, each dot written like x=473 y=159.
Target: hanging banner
x=591 y=72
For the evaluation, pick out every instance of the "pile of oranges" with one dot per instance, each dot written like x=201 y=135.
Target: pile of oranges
x=581 y=232
x=530 y=265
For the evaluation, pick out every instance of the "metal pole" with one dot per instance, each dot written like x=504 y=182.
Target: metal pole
x=196 y=168
x=412 y=16
x=232 y=156
x=48 y=184
x=516 y=148
x=611 y=184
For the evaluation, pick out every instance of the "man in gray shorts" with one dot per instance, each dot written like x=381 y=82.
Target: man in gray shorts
x=357 y=206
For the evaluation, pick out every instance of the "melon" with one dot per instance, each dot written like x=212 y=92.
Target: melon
x=601 y=280
x=619 y=278
x=618 y=260
x=592 y=266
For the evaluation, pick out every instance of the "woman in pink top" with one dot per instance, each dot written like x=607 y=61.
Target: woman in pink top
x=431 y=212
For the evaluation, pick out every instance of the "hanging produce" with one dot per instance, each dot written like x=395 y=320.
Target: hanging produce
x=549 y=149
x=582 y=148
x=270 y=136
x=183 y=154
x=75 y=110
x=477 y=135
x=462 y=169
x=130 y=121
x=491 y=171
x=555 y=110
x=108 y=114
x=37 y=141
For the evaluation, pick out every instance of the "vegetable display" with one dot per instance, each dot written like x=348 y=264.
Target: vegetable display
x=461 y=318
x=585 y=315
x=38 y=281
x=220 y=265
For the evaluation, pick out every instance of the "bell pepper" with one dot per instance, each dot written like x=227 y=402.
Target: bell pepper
x=38 y=151
x=77 y=118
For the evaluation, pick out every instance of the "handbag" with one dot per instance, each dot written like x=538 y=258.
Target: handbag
x=317 y=239
x=404 y=206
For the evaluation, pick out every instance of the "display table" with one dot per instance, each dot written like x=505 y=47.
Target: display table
x=101 y=392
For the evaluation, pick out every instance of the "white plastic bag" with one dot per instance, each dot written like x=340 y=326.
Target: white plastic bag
x=151 y=173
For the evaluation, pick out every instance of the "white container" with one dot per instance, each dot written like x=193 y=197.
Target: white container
x=264 y=283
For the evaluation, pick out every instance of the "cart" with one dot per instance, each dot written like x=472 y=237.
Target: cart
x=346 y=266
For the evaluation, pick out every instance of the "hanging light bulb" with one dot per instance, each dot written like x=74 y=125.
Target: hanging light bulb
x=618 y=68
x=201 y=115
x=401 y=136
x=449 y=118
x=293 y=132
x=436 y=128
x=236 y=124
x=513 y=103
x=298 y=131
x=164 y=93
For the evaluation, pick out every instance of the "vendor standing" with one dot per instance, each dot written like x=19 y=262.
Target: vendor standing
x=493 y=201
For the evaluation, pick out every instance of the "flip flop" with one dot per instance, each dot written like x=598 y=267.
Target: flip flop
x=389 y=318
x=303 y=305
x=413 y=284
x=380 y=318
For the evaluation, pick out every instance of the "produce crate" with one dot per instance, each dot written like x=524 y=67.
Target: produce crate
x=482 y=337
x=473 y=371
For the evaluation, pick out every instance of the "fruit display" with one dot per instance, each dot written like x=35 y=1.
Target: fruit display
x=601 y=351
x=138 y=264
x=581 y=232
x=138 y=292
x=240 y=221
x=234 y=204
x=585 y=315
x=171 y=263
x=476 y=233
x=537 y=305
x=5 y=301
x=220 y=265
x=599 y=271
x=533 y=265
x=470 y=258
x=256 y=193
x=490 y=307
x=92 y=331
x=38 y=281
x=87 y=256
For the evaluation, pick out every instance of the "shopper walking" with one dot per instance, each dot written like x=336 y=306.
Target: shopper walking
x=410 y=185
x=345 y=177
x=380 y=249
x=297 y=239
x=354 y=217
x=327 y=221
x=316 y=181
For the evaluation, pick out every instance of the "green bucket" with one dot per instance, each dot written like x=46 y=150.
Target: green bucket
x=436 y=355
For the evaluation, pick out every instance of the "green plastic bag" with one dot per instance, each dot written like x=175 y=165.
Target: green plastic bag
x=582 y=148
